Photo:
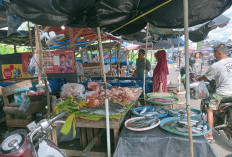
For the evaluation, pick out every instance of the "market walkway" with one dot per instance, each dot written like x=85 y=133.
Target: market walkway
x=222 y=146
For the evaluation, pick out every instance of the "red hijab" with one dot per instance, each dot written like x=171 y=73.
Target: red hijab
x=161 y=62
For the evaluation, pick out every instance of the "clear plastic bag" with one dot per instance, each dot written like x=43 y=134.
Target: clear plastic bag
x=25 y=103
x=72 y=89
x=201 y=91
x=33 y=68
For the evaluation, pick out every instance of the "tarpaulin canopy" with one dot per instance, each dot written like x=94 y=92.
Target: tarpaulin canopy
x=82 y=37
x=110 y=14
x=166 y=44
x=196 y=33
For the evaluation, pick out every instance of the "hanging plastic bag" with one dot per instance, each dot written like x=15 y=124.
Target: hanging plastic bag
x=33 y=68
x=201 y=91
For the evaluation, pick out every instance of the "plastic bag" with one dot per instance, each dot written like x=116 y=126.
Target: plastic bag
x=33 y=68
x=201 y=91
x=72 y=89
x=25 y=103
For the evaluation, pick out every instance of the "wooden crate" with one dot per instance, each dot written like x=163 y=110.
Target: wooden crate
x=15 y=117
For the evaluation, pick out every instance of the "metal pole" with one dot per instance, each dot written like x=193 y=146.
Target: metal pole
x=108 y=127
x=105 y=87
x=144 y=72
x=179 y=76
x=151 y=52
x=186 y=33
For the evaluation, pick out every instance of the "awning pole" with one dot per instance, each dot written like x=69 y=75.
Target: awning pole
x=186 y=33
x=151 y=52
x=179 y=76
x=144 y=72
x=105 y=87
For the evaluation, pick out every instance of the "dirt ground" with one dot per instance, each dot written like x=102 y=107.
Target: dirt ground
x=222 y=146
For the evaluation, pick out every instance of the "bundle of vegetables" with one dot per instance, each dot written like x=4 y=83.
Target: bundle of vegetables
x=73 y=106
x=119 y=94
x=70 y=103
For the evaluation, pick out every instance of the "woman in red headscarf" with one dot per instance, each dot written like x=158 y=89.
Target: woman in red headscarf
x=160 y=72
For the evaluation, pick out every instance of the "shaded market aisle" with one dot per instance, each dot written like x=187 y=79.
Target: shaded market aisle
x=222 y=146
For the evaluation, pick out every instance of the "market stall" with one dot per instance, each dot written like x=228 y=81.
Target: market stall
x=96 y=14
x=160 y=143
x=89 y=113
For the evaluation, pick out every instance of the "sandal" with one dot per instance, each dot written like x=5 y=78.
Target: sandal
x=211 y=141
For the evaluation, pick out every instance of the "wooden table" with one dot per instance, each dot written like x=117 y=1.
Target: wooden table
x=115 y=124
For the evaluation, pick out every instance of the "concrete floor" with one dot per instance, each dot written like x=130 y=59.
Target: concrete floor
x=222 y=146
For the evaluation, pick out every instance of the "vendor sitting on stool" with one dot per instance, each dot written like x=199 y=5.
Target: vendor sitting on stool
x=140 y=65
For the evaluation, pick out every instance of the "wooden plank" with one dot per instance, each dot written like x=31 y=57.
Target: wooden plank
x=24 y=84
x=83 y=134
x=98 y=141
x=78 y=34
x=111 y=56
x=80 y=136
x=54 y=135
x=89 y=134
x=92 y=142
x=116 y=135
x=81 y=153
x=6 y=100
x=0 y=90
x=17 y=122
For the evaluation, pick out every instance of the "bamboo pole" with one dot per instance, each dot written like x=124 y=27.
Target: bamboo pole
x=145 y=67
x=151 y=53
x=105 y=87
x=15 y=49
x=72 y=40
x=118 y=59
x=39 y=49
x=110 y=63
x=186 y=33
x=38 y=52
x=30 y=38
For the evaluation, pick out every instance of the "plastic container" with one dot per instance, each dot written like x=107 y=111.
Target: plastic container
x=141 y=129
x=150 y=100
x=170 y=119
x=199 y=113
x=133 y=111
x=159 y=94
x=91 y=94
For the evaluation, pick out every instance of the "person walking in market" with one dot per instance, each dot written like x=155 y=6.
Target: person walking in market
x=198 y=66
x=221 y=72
x=160 y=72
x=140 y=64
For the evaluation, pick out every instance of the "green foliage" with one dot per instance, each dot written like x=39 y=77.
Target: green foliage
x=9 y=49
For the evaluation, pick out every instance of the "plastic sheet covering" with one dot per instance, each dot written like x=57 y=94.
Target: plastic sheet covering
x=111 y=14
x=160 y=143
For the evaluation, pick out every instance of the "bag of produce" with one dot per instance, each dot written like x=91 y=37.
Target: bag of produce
x=201 y=91
x=71 y=89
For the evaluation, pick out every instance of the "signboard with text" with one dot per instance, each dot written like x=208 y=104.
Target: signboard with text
x=59 y=61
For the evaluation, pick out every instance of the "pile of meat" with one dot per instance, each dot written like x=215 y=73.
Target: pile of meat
x=120 y=94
